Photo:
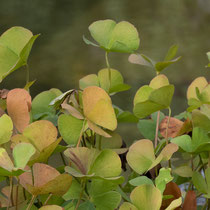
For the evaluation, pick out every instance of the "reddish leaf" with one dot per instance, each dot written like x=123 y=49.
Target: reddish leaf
x=173 y=128
x=18 y=107
x=171 y=189
x=190 y=201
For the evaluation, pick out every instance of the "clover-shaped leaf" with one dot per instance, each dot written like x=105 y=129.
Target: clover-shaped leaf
x=152 y=98
x=92 y=163
x=18 y=107
x=45 y=180
x=169 y=59
x=115 y=37
x=15 y=46
x=94 y=100
x=40 y=105
x=42 y=135
x=200 y=141
x=141 y=156
x=22 y=153
x=102 y=80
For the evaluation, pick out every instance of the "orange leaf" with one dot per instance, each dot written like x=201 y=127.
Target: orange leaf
x=18 y=107
x=190 y=201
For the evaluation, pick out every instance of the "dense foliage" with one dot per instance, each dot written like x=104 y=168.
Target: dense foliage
x=99 y=171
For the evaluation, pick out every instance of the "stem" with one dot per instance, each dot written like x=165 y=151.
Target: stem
x=16 y=198
x=62 y=158
x=157 y=128
x=109 y=69
x=31 y=202
x=10 y=192
x=169 y=116
x=81 y=193
x=81 y=133
x=48 y=198
x=27 y=76
x=99 y=143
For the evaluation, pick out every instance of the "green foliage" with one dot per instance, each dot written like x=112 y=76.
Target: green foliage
x=92 y=151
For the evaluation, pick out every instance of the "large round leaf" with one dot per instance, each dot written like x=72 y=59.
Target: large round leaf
x=98 y=107
x=146 y=197
x=70 y=128
x=18 y=107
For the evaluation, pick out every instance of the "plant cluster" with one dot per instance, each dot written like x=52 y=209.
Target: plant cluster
x=79 y=126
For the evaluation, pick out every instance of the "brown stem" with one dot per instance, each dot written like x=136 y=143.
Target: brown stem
x=81 y=133
x=48 y=198
x=31 y=202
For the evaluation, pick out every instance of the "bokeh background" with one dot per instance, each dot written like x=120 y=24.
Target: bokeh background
x=60 y=58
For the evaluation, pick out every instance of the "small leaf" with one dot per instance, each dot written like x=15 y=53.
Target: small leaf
x=159 y=81
x=199 y=182
x=22 y=153
x=174 y=204
x=141 y=60
x=126 y=206
x=171 y=52
x=89 y=80
x=6 y=130
x=88 y=42
x=51 y=207
x=140 y=181
x=190 y=201
x=183 y=171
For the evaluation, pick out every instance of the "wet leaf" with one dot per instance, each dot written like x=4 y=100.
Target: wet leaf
x=18 y=107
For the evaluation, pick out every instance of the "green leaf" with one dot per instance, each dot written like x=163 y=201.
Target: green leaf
x=163 y=178
x=147 y=128
x=88 y=42
x=126 y=206
x=146 y=197
x=117 y=81
x=6 y=130
x=159 y=66
x=199 y=182
x=87 y=205
x=183 y=171
x=184 y=142
x=199 y=119
x=127 y=117
x=109 y=200
x=40 y=104
x=141 y=60
x=51 y=207
x=22 y=153
x=171 y=53
x=71 y=133
x=159 y=81
x=94 y=100
x=142 y=94
x=89 y=80
x=121 y=37
x=140 y=181
x=15 y=46
x=174 y=204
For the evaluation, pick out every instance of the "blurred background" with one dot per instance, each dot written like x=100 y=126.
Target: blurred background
x=60 y=58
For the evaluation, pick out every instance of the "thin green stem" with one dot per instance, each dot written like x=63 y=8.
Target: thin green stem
x=81 y=133
x=81 y=194
x=10 y=192
x=48 y=198
x=157 y=128
x=31 y=202
x=109 y=69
